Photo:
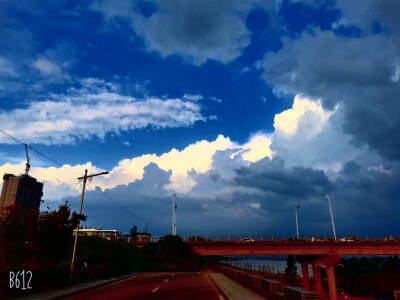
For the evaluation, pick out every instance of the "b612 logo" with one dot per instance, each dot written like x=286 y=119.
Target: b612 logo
x=20 y=280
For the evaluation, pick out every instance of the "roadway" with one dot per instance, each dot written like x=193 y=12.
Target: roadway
x=152 y=286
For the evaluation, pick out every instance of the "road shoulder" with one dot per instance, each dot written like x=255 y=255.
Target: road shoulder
x=69 y=291
x=233 y=290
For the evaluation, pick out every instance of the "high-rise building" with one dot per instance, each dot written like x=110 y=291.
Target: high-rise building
x=22 y=190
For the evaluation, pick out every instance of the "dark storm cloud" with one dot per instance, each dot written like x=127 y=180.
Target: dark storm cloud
x=356 y=73
x=363 y=198
x=260 y=198
x=366 y=198
x=372 y=15
x=270 y=176
x=197 y=30
x=145 y=198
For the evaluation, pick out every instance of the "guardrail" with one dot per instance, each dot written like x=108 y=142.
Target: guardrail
x=140 y=239
x=266 y=287
x=251 y=238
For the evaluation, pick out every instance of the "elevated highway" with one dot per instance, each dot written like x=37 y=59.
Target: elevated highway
x=325 y=254
x=221 y=248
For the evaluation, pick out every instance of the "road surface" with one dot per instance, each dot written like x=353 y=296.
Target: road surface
x=157 y=286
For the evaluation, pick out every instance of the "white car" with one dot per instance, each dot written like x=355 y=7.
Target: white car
x=346 y=239
x=246 y=240
x=317 y=239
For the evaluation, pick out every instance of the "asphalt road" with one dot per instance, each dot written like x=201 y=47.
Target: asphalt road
x=157 y=286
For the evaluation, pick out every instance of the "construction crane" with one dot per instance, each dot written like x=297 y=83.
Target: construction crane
x=28 y=166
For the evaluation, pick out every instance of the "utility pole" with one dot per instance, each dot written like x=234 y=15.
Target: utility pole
x=297 y=223
x=176 y=214
x=173 y=214
x=84 y=178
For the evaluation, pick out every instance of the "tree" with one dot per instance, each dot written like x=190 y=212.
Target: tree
x=12 y=236
x=291 y=269
x=55 y=231
x=171 y=247
x=134 y=232
x=26 y=234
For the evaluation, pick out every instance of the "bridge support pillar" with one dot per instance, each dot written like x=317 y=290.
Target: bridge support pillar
x=330 y=274
x=317 y=278
x=305 y=276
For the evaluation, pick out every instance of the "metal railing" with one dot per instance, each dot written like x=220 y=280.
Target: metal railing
x=140 y=239
x=269 y=238
x=316 y=238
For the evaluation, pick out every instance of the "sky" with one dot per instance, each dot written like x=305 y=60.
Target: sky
x=244 y=109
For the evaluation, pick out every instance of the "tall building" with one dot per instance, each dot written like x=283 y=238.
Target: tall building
x=22 y=190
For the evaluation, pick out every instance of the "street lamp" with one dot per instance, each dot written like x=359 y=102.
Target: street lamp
x=330 y=208
x=297 y=223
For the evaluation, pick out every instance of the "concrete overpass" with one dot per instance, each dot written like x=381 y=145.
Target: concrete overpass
x=215 y=248
x=317 y=254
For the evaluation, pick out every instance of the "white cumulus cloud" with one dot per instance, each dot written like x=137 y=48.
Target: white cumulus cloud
x=197 y=158
x=307 y=135
x=303 y=110
x=94 y=110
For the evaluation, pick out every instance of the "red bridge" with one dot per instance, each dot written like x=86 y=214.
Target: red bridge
x=326 y=253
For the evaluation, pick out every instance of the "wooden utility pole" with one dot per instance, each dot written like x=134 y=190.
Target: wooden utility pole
x=173 y=214
x=84 y=178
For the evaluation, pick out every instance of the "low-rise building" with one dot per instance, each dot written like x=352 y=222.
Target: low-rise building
x=144 y=237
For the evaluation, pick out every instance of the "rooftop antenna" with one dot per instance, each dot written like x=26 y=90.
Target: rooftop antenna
x=28 y=166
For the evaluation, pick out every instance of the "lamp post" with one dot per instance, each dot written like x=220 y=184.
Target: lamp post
x=297 y=223
x=330 y=209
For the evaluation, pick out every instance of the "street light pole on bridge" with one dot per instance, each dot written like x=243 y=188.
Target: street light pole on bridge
x=330 y=208
x=297 y=223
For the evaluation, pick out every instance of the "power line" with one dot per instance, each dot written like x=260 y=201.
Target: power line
x=97 y=187
x=45 y=156
x=38 y=152
x=127 y=210
x=12 y=137
x=54 y=160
